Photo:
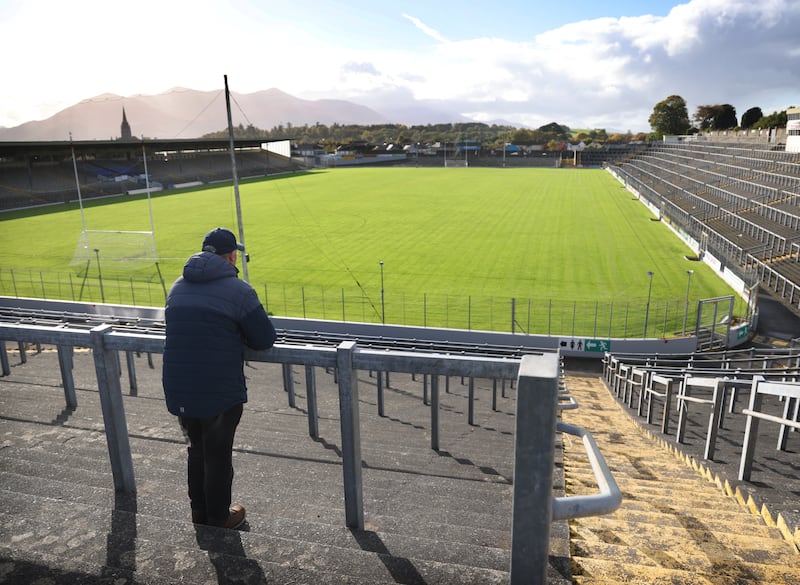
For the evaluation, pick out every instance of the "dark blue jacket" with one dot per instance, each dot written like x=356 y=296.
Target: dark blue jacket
x=211 y=316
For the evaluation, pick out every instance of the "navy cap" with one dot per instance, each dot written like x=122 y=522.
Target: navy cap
x=221 y=241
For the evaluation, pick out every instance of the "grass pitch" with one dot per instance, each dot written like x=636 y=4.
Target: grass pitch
x=456 y=245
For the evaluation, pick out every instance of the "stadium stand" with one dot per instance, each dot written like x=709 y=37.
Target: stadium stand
x=34 y=174
x=739 y=203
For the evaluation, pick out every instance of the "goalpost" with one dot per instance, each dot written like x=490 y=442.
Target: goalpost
x=121 y=251
x=117 y=251
x=456 y=163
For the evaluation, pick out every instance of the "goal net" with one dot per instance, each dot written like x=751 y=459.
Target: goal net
x=117 y=251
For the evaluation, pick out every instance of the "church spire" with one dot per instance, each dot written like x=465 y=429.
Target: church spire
x=125 y=128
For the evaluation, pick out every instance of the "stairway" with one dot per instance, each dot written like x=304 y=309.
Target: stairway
x=430 y=517
x=674 y=526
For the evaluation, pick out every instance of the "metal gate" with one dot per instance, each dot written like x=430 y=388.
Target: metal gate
x=714 y=318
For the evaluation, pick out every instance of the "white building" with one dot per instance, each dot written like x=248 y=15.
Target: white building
x=793 y=130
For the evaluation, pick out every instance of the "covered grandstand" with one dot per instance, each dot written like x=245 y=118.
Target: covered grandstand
x=41 y=173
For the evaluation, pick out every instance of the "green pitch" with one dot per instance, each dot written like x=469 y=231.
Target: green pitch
x=571 y=247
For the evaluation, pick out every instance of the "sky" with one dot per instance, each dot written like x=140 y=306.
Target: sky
x=583 y=63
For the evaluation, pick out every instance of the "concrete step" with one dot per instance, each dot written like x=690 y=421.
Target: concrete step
x=673 y=526
x=408 y=496
x=724 y=542
x=286 y=542
x=595 y=571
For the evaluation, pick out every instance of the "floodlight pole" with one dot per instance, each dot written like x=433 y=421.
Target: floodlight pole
x=383 y=305
x=235 y=179
x=686 y=306
x=647 y=307
x=149 y=202
x=80 y=199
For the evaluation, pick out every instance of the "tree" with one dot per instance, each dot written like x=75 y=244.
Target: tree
x=725 y=118
x=670 y=116
x=774 y=120
x=704 y=116
x=717 y=117
x=751 y=116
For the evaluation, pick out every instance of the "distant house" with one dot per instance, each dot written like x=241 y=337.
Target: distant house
x=307 y=150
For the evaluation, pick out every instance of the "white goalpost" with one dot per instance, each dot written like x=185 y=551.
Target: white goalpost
x=118 y=251
x=121 y=251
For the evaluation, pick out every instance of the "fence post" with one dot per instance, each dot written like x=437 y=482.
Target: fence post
x=534 y=443
x=311 y=400
x=288 y=383
x=65 y=364
x=379 y=384
x=434 y=412
x=513 y=313
x=5 y=366
x=471 y=400
x=134 y=388
x=351 y=435
x=106 y=365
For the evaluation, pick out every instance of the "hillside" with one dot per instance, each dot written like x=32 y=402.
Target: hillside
x=187 y=113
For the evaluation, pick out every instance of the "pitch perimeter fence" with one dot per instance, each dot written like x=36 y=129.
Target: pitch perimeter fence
x=627 y=319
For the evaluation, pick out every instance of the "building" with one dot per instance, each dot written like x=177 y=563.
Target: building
x=793 y=130
x=125 y=128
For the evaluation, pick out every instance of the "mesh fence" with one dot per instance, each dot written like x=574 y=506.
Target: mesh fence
x=560 y=317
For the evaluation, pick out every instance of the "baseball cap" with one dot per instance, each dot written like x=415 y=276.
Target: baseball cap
x=221 y=241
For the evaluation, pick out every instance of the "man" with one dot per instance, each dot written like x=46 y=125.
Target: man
x=211 y=316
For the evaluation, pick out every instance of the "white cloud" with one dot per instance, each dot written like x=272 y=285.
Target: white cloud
x=433 y=33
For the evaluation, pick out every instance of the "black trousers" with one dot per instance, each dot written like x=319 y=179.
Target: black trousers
x=210 y=464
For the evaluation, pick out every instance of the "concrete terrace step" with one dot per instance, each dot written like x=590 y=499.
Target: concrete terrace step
x=58 y=528
x=430 y=471
x=429 y=517
x=673 y=526
x=146 y=412
x=395 y=496
x=594 y=571
x=716 y=541
x=398 y=446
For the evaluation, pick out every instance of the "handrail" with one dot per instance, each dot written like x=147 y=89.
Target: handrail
x=567 y=402
x=606 y=501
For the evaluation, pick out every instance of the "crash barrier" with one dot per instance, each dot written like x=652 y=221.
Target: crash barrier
x=789 y=392
x=540 y=398
x=638 y=381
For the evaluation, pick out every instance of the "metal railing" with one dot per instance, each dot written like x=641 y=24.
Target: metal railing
x=539 y=401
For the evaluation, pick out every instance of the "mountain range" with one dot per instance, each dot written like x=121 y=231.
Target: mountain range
x=189 y=113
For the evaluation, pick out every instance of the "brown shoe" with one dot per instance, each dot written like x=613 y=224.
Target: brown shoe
x=236 y=517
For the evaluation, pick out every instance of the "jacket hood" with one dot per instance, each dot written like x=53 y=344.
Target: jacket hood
x=206 y=266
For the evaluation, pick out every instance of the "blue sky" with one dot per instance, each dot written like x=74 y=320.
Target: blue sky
x=584 y=63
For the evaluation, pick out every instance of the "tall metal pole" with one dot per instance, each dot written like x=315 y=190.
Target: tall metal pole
x=80 y=199
x=149 y=202
x=686 y=306
x=647 y=307
x=383 y=305
x=235 y=179
x=100 y=275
